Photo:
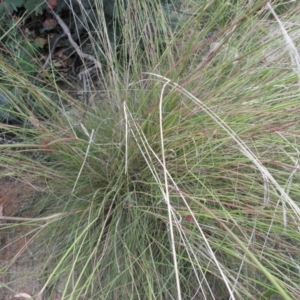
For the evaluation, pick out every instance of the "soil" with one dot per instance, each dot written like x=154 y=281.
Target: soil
x=19 y=268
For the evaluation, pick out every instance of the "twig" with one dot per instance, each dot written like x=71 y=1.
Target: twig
x=46 y=64
x=82 y=76
x=85 y=72
x=73 y=43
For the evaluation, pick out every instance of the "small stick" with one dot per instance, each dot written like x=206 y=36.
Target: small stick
x=73 y=43
x=45 y=66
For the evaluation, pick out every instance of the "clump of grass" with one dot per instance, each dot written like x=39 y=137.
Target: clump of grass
x=181 y=182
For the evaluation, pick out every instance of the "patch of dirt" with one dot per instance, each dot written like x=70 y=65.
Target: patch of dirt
x=18 y=270
x=13 y=194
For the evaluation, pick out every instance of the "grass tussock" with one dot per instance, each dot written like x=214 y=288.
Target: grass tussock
x=179 y=179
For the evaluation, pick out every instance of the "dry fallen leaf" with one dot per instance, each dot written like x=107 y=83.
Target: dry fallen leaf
x=49 y=24
x=40 y=42
x=52 y=3
x=190 y=219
